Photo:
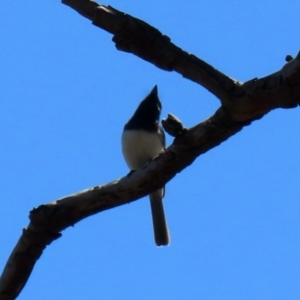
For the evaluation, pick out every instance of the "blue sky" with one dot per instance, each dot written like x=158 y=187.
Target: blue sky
x=66 y=92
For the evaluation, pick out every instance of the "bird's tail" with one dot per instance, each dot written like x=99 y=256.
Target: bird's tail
x=161 y=232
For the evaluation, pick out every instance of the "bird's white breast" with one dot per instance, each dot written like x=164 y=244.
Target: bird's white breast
x=139 y=147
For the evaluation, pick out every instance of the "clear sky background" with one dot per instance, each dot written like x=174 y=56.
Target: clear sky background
x=66 y=92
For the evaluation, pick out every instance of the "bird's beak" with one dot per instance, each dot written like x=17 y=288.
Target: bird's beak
x=154 y=91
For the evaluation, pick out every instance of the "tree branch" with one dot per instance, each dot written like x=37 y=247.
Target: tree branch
x=241 y=104
x=137 y=37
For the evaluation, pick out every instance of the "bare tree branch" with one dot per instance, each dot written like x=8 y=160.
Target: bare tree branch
x=137 y=37
x=241 y=104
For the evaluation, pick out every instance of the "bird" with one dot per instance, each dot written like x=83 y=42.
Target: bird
x=142 y=140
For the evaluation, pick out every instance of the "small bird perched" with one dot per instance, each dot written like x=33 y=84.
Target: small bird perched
x=143 y=139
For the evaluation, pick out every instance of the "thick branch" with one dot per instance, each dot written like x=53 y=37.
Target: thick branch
x=47 y=221
x=137 y=37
